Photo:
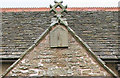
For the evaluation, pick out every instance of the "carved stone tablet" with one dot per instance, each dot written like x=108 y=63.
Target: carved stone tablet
x=59 y=37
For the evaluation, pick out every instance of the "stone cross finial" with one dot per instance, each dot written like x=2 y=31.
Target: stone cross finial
x=58 y=4
x=58 y=14
x=59 y=35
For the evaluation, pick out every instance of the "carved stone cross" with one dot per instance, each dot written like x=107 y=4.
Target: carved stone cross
x=59 y=33
x=58 y=14
x=58 y=4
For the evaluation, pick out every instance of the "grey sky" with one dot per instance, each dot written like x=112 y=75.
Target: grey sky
x=46 y=3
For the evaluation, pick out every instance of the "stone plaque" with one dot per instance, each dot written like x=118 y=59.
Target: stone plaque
x=59 y=37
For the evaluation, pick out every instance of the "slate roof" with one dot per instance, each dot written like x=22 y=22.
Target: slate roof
x=99 y=29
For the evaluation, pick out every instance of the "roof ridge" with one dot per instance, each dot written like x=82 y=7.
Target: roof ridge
x=69 y=9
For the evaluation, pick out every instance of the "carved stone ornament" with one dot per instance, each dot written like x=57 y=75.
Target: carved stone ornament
x=59 y=34
x=58 y=14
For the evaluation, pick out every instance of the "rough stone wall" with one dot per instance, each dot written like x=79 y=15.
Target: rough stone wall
x=99 y=29
x=46 y=61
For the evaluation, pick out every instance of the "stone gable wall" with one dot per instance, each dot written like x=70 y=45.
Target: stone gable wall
x=46 y=61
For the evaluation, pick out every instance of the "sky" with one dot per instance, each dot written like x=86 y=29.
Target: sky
x=46 y=3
